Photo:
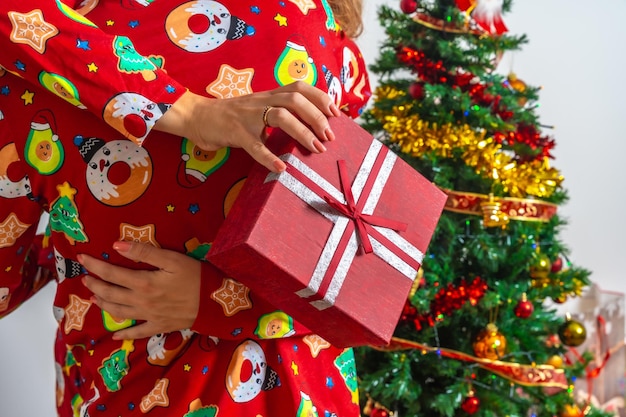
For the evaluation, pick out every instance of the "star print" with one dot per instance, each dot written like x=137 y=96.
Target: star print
x=170 y=89
x=101 y=407
x=323 y=41
x=255 y=10
x=75 y=313
x=82 y=44
x=304 y=5
x=27 y=97
x=205 y=370
x=170 y=208
x=31 y=29
x=110 y=22
x=8 y=269
x=141 y=234
x=5 y=90
x=294 y=368
x=282 y=20
x=156 y=397
x=92 y=67
x=231 y=82
x=90 y=352
x=20 y=65
x=105 y=256
x=329 y=382
x=232 y=296
x=187 y=367
x=194 y=208
x=237 y=331
x=131 y=406
x=11 y=229
x=133 y=23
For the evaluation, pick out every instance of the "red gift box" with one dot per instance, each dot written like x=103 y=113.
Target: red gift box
x=336 y=239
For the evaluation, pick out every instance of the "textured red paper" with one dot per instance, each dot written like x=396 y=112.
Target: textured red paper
x=272 y=240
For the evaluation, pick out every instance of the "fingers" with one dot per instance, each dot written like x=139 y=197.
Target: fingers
x=108 y=272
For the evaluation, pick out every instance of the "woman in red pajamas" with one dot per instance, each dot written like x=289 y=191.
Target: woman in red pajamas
x=128 y=63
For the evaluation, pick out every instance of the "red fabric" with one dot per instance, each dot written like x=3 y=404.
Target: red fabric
x=99 y=186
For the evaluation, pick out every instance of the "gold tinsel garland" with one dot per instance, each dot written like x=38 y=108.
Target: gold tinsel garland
x=417 y=137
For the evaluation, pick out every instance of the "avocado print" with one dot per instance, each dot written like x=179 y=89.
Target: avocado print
x=43 y=150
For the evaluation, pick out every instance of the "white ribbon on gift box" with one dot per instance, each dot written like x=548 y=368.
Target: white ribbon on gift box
x=340 y=222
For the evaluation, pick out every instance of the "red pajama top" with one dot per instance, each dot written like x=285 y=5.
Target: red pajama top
x=81 y=86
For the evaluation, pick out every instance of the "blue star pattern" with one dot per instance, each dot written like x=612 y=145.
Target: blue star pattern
x=5 y=90
x=83 y=44
x=329 y=382
x=194 y=208
x=170 y=89
x=20 y=65
x=133 y=24
x=255 y=10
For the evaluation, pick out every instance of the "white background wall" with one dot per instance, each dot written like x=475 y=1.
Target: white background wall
x=576 y=52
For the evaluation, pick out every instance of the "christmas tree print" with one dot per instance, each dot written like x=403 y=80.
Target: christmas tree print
x=64 y=215
x=130 y=61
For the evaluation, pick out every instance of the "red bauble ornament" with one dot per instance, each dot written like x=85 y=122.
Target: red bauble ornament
x=416 y=90
x=379 y=412
x=524 y=308
x=408 y=6
x=557 y=265
x=471 y=405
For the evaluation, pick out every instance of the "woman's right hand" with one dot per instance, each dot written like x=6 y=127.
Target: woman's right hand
x=299 y=109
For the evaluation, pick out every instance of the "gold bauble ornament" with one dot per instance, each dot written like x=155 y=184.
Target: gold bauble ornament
x=572 y=332
x=571 y=411
x=541 y=266
x=519 y=86
x=493 y=216
x=489 y=343
x=555 y=361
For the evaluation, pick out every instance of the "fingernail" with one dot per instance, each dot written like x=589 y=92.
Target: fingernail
x=319 y=146
x=80 y=258
x=116 y=337
x=84 y=281
x=279 y=165
x=121 y=246
x=334 y=109
x=330 y=135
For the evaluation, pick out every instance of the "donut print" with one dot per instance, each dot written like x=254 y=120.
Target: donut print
x=246 y=372
x=118 y=172
x=203 y=25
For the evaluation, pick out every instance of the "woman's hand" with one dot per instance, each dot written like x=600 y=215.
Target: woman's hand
x=167 y=298
x=299 y=109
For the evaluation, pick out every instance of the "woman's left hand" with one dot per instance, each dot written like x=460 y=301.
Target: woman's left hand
x=167 y=298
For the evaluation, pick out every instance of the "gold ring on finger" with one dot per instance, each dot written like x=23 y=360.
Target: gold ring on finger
x=266 y=111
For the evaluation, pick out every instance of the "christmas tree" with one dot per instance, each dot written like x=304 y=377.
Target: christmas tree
x=478 y=335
